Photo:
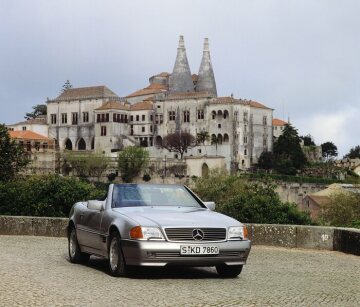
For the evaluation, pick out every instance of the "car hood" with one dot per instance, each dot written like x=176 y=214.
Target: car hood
x=177 y=217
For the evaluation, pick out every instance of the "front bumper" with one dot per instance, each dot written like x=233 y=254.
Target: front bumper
x=161 y=253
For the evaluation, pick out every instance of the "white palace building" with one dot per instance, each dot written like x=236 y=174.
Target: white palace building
x=97 y=119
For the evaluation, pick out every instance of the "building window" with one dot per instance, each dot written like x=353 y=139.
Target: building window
x=171 y=115
x=63 y=118
x=131 y=118
x=264 y=142
x=158 y=119
x=125 y=118
x=264 y=120
x=85 y=117
x=37 y=146
x=53 y=119
x=45 y=146
x=74 y=118
x=102 y=118
x=245 y=152
x=151 y=128
x=245 y=116
x=151 y=117
x=137 y=118
x=200 y=114
x=103 y=130
x=213 y=114
x=219 y=126
x=143 y=118
x=143 y=129
x=122 y=118
x=245 y=139
x=24 y=128
x=186 y=116
x=131 y=129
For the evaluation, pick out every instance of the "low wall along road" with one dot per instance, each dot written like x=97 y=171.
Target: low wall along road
x=308 y=237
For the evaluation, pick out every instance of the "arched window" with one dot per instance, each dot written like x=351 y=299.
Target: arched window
x=213 y=114
x=213 y=138
x=92 y=144
x=68 y=144
x=204 y=170
x=81 y=144
x=219 y=113
x=226 y=114
x=158 y=141
x=226 y=138
x=220 y=139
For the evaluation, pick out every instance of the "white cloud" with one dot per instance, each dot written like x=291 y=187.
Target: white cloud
x=341 y=128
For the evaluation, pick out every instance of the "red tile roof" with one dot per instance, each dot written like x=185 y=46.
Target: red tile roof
x=151 y=89
x=116 y=105
x=28 y=135
x=86 y=92
x=142 y=105
x=278 y=122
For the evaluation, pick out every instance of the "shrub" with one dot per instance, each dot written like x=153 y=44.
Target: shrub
x=249 y=202
x=50 y=195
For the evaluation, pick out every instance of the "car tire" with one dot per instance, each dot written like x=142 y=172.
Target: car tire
x=117 y=263
x=229 y=271
x=75 y=254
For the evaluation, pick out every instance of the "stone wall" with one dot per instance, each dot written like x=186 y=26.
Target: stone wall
x=291 y=236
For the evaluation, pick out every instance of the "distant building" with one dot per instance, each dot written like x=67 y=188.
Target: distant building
x=40 y=150
x=96 y=119
x=315 y=201
x=278 y=127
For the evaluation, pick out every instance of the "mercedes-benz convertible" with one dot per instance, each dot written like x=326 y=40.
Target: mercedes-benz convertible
x=156 y=225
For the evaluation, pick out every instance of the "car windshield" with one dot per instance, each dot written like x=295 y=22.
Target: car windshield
x=132 y=195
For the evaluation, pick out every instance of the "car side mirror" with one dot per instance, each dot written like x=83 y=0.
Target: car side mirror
x=210 y=205
x=96 y=205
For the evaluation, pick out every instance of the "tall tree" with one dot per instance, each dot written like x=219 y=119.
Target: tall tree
x=39 y=109
x=13 y=159
x=308 y=140
x=131 y=161
x=202 y=137
x=287 y=149
x=179 y=142
x=67 y=85
x=353 y=153
x=215 y=141
x=329 y=150
x=266 y=160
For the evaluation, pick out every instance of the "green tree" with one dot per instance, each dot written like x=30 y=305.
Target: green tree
x=329 y=150
x=249 y=202
x=13 y=159
x=353 y=153
x=87 y=165
x=266 y=160
x=308 y=140
x=67 y=85
x=287 y=150
x=215 y=141
x=132 y=160
x=342 y=210
x=39 y=109
x=202 y=137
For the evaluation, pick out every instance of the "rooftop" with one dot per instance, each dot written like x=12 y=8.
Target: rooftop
x=114 y=105
x=28 y=135
x=149 y=90
x=142 y=105
x=278 y=122
x=91 y=92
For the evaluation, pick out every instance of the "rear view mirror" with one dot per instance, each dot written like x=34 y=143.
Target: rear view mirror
x=210 y=205
x=95 y=205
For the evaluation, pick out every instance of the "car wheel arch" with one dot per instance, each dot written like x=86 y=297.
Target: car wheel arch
x=112 y=229
x=70 y=226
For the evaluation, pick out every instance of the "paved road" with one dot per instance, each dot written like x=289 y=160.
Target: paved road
x=35 y=271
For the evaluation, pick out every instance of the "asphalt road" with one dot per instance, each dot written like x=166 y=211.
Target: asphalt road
x=35 y=271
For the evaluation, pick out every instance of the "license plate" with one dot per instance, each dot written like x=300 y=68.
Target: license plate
x=199 y=250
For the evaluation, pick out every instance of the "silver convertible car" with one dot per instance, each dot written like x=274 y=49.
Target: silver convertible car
x=156 y=225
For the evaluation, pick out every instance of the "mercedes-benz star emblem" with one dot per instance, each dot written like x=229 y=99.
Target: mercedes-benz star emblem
x=198 y=234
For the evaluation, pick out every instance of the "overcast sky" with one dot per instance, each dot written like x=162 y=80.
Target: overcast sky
x=301 y=58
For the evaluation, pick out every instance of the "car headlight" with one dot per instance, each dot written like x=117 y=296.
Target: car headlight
x=146 y=233
x=237 y=233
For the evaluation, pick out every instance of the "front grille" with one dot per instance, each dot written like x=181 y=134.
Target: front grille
x=230 y=254
x=186 y=234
